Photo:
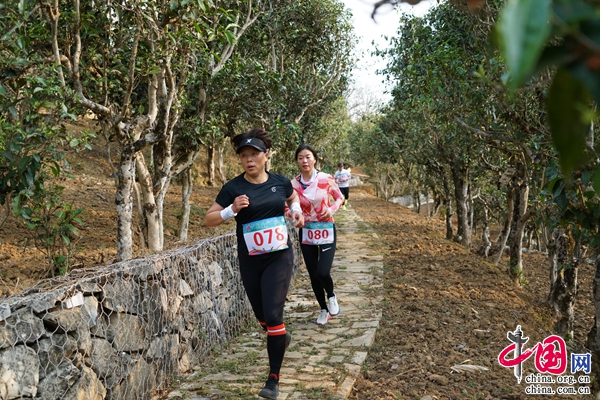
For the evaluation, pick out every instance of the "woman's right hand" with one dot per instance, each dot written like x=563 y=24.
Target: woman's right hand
x=242 y=201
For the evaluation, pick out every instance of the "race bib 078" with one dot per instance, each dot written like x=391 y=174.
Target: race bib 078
x=265 y=236
x=317 y=233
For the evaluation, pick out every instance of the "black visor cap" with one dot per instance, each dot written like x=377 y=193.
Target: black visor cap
x=252 y=142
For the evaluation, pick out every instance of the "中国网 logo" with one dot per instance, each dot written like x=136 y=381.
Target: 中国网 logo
x=551 y=358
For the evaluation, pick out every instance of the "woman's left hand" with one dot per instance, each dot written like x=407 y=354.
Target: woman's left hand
x=326 y=213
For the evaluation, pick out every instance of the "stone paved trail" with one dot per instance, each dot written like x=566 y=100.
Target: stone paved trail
x=321 y=362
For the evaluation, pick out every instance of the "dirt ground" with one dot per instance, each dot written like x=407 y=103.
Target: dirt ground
x=92 y=188
x=443 y=306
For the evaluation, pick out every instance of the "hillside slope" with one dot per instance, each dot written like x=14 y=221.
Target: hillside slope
x=91 y=187
x=444 y=305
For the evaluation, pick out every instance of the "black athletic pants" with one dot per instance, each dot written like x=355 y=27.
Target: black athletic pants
x=318 y=260
x=266 y=278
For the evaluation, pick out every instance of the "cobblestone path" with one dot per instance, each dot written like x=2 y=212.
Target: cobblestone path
x=321 y=362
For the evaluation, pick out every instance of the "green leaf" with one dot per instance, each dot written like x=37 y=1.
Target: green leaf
x=585 y=177
x=23 y=163
x=572 y=12
x=155 y=69
x=73 y=230
x=16 y=206
x=558 y=190
x=523 y=29
x=59 y=260
x=230 y=37
x=567 y=102
x=22 y=42
x=590 y=79
x=66 y=239
x=596 y=180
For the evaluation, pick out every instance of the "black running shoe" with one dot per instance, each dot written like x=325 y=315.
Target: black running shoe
x=288 y=339
x=271 y=389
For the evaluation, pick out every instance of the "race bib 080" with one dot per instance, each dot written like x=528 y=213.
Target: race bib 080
x=317 y=233
x=265 y=236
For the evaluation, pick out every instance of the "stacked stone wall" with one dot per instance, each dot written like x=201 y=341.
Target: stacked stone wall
x=126 y=330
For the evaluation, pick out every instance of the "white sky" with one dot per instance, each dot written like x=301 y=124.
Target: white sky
x=369 y=30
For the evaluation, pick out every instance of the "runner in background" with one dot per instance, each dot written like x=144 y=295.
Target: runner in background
x=257 y=200
x=318 y=236
x=342 y=177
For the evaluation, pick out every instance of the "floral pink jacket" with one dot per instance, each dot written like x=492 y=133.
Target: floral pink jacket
x=318 y=195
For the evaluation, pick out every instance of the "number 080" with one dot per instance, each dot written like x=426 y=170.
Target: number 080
x=317 y=234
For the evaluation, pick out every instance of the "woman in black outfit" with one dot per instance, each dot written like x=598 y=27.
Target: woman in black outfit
x=257 y=199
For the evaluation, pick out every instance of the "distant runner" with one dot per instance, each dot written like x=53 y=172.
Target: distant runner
x=342 y=177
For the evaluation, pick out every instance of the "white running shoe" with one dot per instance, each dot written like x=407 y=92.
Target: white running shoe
x=323 y=317
x=334 y=308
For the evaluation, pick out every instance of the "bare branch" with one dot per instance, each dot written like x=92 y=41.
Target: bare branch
x=326 y=88
x=54 y=13
x=382 y=3
x=228 y=50
x=526 y=150
x=130 y=76
x=488 y=165
x=74 y=69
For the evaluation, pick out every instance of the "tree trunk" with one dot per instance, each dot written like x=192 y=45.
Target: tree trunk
x=470 y=209
x=449 y=211
x=151 y=217
x=485 y=233
x=220 y=157
x=503 y=238
x=5 y=213
x=544 y=234
x=417 y=202
x=187 y=185
x=140 y=226
x=124 y=204
x=437 y=203
x=515 y=238
x=162 y=161
x=210 y=165
x=529 y=240
x=556 y=246
x=593 y=337
x=563 y=284
x=461 y=186
x=536 y=235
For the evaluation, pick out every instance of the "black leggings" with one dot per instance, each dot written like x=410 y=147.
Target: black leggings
x=266 y=278
x=346 y=192
x=318 y=260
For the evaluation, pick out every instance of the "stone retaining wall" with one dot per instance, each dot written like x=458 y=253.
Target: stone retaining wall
x=123 y=331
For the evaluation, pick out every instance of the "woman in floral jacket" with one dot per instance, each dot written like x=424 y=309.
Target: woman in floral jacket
x=318 y=236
